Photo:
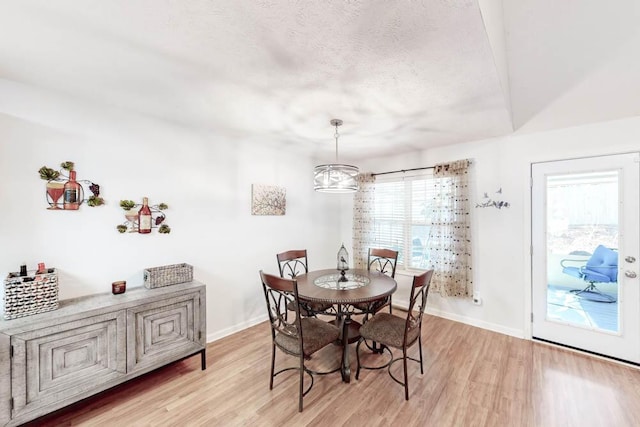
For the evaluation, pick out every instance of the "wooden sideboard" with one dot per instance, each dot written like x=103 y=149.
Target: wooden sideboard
x=93 y=343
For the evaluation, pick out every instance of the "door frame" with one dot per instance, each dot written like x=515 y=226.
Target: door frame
x=528 y=250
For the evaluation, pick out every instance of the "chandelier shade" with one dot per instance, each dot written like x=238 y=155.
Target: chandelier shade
x=335 y=177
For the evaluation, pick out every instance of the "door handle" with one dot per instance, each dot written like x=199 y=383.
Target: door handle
x=630 y=259
x=630 y=274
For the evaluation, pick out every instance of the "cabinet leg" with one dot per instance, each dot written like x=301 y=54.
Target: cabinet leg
x=203 y=359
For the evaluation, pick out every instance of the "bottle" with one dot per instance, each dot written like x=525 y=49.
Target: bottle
x=72 y=197
x=144 y=217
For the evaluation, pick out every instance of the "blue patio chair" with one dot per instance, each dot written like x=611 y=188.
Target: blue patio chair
x=601 y=267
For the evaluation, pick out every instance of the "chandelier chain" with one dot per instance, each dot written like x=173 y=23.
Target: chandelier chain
x=336 y=123
x=336 y=136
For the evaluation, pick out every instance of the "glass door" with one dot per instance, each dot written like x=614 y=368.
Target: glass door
x=584 y=256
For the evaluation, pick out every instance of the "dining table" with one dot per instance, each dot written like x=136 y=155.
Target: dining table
x=343 y=289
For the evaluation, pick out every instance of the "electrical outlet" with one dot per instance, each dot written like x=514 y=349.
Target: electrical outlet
x=476 y=298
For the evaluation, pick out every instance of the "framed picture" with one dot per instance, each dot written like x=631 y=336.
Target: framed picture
x=268 y=200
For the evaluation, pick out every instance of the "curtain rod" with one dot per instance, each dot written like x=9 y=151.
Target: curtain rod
x=404 y=170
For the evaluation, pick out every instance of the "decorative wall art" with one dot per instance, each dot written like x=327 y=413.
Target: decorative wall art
x=268 y=200
x=142 y=218
x=64 y=184
x=488 y=203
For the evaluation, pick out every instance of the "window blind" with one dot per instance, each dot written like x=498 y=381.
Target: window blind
x=402 y=217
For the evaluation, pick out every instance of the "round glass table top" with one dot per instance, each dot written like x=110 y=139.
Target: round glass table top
x=361 y=286
x=333 y=281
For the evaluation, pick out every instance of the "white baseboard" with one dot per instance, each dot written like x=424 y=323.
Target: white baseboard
x=402 y=305
x=467 y=321
x=236 y=328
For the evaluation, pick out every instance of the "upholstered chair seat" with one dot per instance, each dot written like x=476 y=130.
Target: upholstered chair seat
x=316 y=333
x=388 y=329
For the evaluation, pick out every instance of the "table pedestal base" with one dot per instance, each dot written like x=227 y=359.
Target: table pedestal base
x=350 y=334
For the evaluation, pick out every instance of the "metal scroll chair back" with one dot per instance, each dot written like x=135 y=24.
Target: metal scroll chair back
x=382 y=260
x=417 y=305
x=401 y=333
x=279 y=293
x=292 y=263
x=291 y=333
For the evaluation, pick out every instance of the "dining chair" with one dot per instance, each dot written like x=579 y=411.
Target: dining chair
x=291 y=333
x=398 y=332
x=384 y=261
x=291 y=264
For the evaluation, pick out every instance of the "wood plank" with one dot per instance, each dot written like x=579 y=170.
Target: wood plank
x=472 y=377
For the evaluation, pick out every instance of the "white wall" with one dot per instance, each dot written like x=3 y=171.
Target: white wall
x=570 y=62
x=206 y=180
x=501 y=238
x=204 y=177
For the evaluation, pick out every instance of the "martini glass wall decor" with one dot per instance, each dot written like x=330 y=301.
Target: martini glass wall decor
x=54 y=192
x=62 y=184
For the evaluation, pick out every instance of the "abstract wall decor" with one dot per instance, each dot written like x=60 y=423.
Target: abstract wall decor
x=268 y=200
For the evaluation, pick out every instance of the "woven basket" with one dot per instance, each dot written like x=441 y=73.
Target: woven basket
x=157 y=277
x=31 y=294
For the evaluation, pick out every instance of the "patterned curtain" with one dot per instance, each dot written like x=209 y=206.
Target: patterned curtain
x=363 y=207
x=450 y=235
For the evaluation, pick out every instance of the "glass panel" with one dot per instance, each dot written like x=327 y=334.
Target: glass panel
x=582 y=216
x=419 y=241
x=340 y=283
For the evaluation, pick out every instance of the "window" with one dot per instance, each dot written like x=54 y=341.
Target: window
x=402 y=218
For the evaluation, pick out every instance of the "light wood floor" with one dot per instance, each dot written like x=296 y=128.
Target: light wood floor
x=472 y=377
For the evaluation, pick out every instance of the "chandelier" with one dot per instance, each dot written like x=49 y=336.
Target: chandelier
x=335 y=177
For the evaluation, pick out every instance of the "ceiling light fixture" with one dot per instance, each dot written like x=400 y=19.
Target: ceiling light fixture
x=335 y=177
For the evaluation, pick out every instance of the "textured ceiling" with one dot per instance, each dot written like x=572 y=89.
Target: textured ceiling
x=402 y=75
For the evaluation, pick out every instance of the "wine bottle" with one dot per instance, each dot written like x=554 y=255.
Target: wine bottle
x=72 y=190
x=144 y=217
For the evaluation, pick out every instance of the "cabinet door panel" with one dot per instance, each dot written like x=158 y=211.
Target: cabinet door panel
x=162 y=330
x=66 y=360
